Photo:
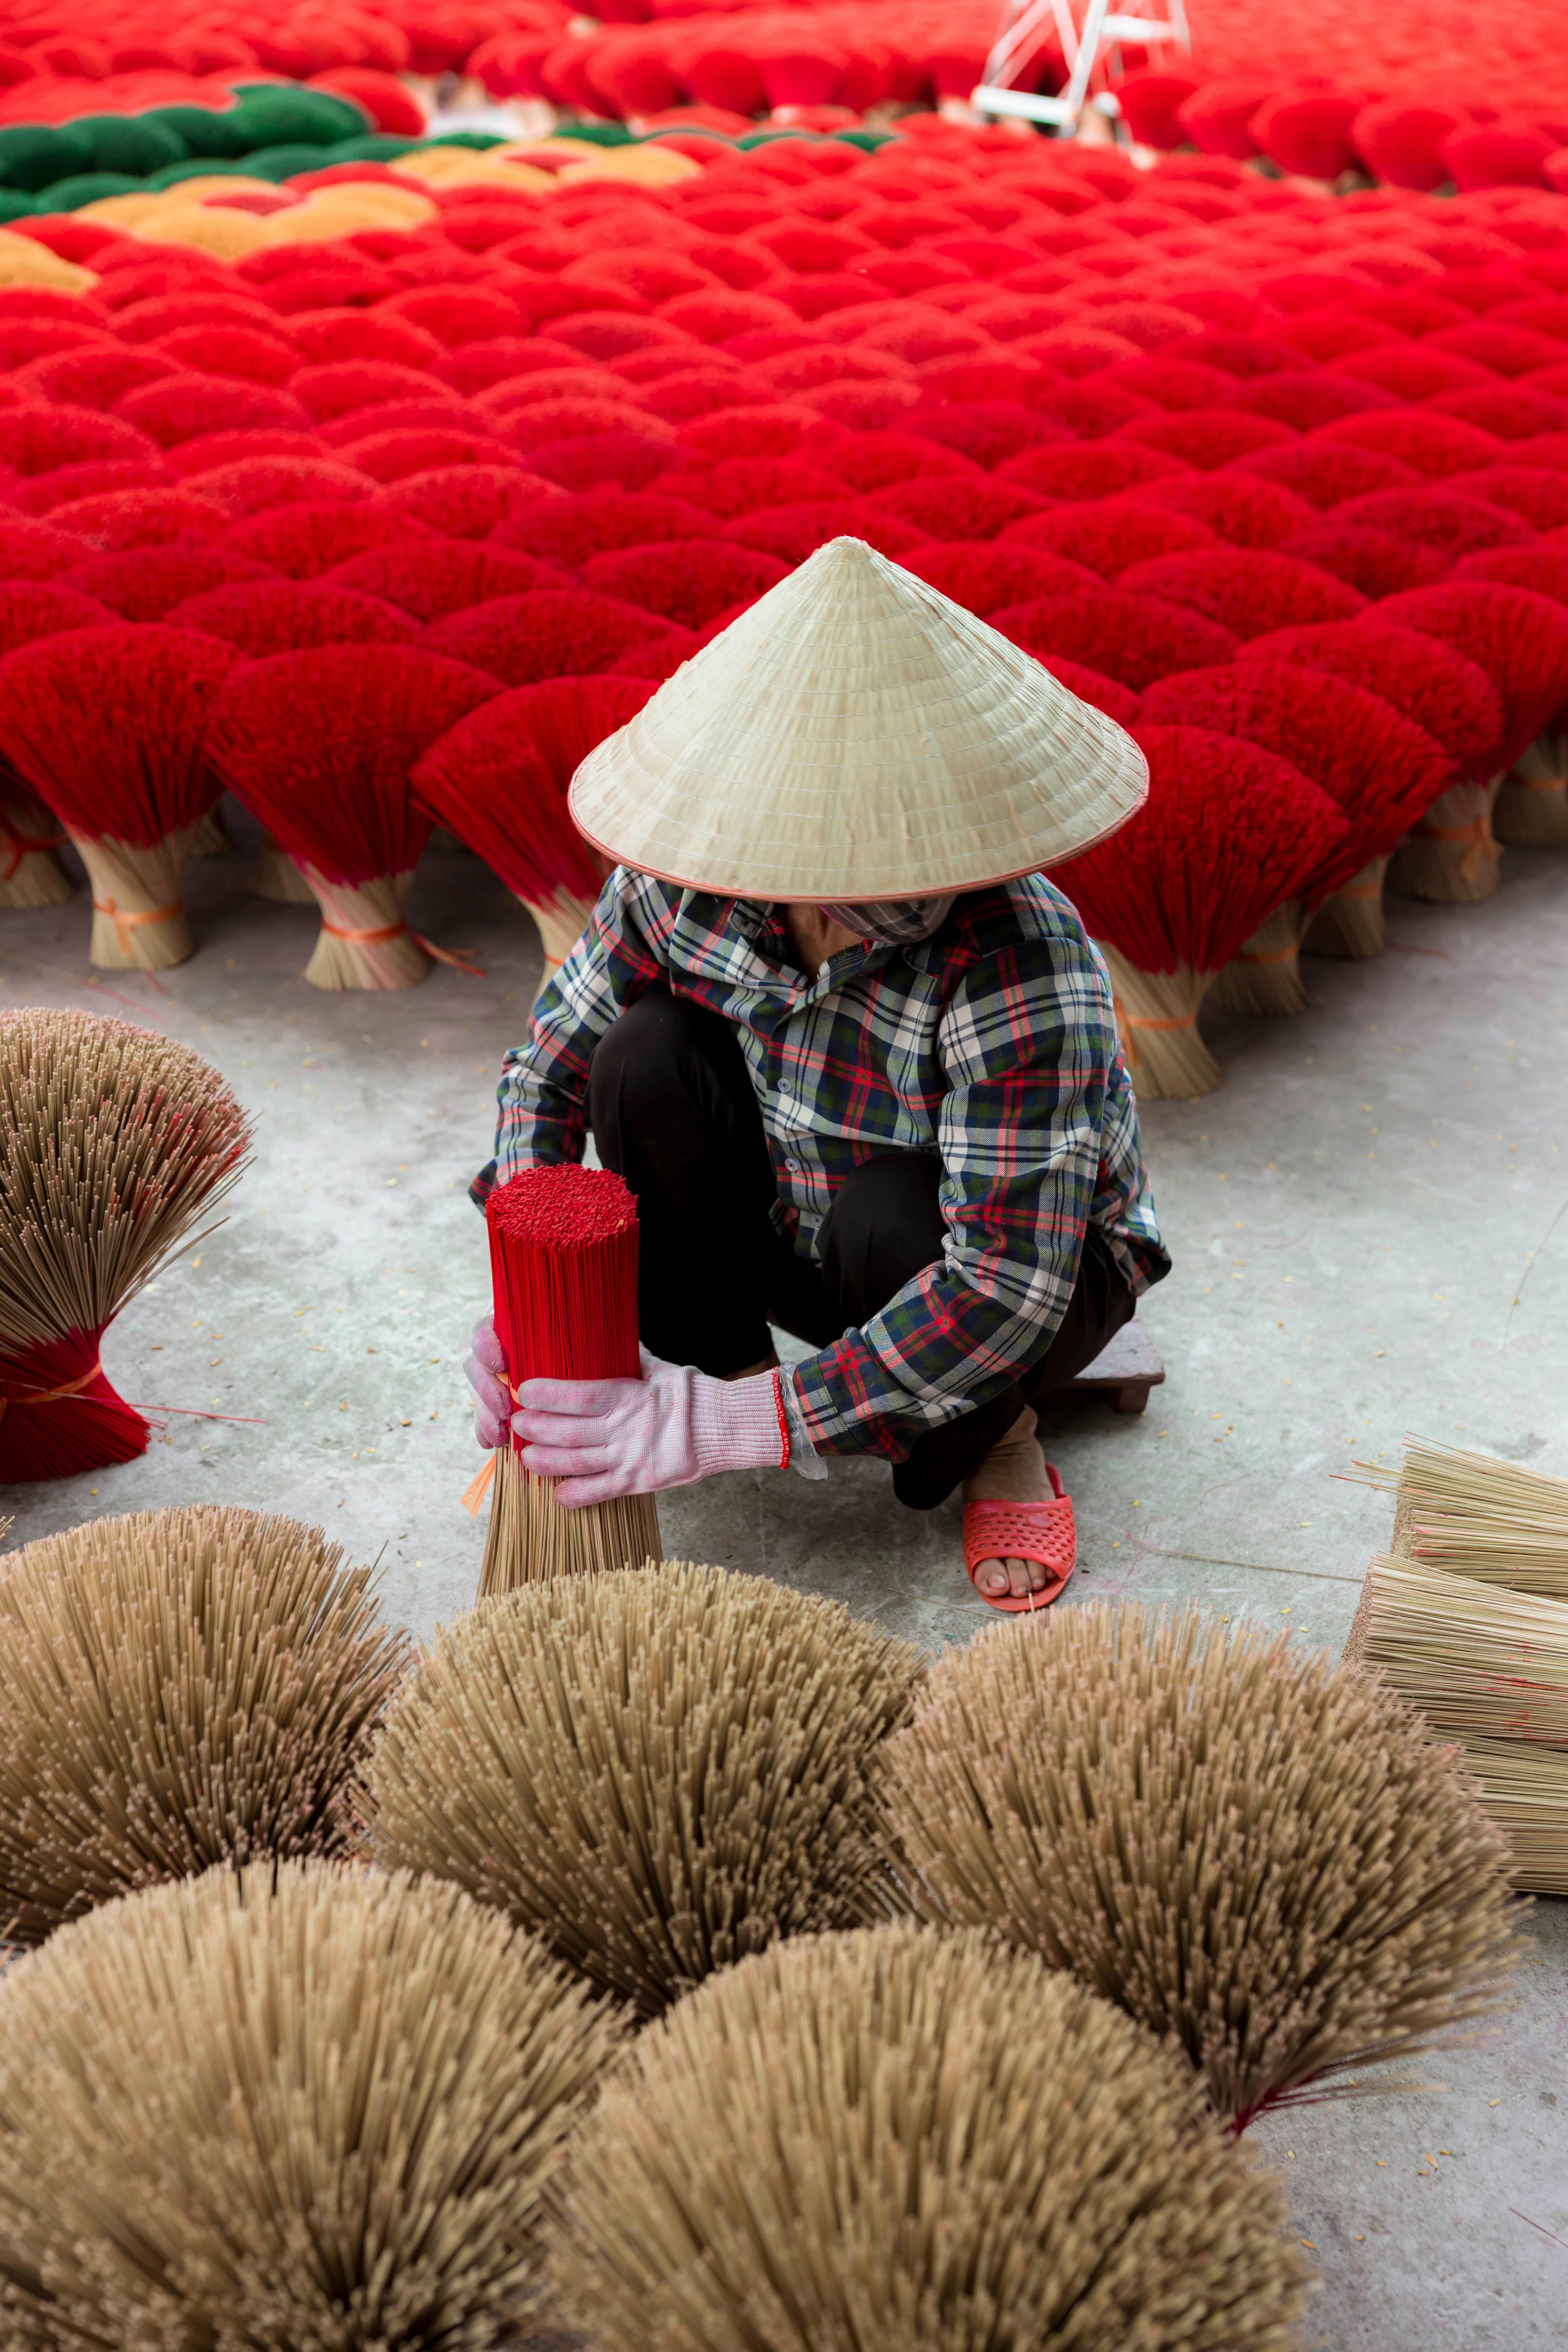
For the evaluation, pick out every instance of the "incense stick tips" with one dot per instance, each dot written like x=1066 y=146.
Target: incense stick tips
x=289 y=2107
x=183 y=1687
x=903 y=2139
x=656 y=1769
x=1240 y=1845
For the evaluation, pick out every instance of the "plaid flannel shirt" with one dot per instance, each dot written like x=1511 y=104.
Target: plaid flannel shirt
x=993 y=1043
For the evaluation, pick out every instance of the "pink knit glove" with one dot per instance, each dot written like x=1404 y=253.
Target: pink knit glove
x=604 y=1438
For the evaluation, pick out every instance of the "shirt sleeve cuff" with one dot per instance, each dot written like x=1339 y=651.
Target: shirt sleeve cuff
x=803 y=1455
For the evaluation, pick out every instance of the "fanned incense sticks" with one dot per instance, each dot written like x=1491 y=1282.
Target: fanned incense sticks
x=1233 y=1840
x=498 y=779
x=1379 y=770
x=181 y=1688
x=563 y=1267
x=113 y=1143
x=1228 y=833
x=656 y=1771
x=293 y=2105
x=907 y=2139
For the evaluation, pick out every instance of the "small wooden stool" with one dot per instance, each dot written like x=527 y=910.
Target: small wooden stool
x=1122 y=1373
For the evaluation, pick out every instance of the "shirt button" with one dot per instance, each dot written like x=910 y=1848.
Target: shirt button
x=793 y=1167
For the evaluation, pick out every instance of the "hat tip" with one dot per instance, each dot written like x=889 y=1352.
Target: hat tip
x=844 y=549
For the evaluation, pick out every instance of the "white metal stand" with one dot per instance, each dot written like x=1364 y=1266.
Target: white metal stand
x=1024 y=21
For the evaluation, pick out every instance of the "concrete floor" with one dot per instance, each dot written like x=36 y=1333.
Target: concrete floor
x=1370 y=1226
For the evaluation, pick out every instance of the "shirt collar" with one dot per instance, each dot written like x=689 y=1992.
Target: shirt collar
x=761 y=926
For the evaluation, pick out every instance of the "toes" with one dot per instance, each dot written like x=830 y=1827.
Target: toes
x=1002 y=1580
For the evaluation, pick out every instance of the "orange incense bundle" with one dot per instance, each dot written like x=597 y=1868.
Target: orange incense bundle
x=564 y=1271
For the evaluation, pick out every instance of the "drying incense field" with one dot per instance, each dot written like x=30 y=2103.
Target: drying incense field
x=388 y=407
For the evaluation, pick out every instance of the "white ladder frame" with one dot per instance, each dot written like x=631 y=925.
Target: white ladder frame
x=1103 y=30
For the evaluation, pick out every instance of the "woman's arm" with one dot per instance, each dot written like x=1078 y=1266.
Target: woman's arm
x=542 y=1095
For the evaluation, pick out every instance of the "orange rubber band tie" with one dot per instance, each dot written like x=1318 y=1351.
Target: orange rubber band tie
x=474 y=1493
x=124 y=923
x=1478 y=832
x=1275 y=955
x=52 y=1396
x=398 y=931
x=15 y=846
x=1126 y=1022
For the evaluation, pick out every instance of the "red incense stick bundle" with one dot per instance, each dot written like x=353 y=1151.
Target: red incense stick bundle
x=563 y=1270
x=319 y=744
x=105 y=726
x=498 y=779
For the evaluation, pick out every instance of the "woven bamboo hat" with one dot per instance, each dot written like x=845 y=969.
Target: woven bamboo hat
x=854 y=736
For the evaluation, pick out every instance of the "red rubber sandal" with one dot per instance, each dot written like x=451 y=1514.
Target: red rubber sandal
x=1043 y=1532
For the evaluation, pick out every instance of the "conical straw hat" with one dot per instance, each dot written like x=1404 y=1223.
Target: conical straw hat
x=855 y=735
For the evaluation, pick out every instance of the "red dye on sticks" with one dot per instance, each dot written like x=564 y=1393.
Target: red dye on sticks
x=564 y=1271
x=563 y=1264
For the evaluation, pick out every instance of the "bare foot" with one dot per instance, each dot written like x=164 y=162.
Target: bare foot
x=1013 y=1472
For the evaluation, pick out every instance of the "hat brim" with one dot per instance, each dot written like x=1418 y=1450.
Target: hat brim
x=857 y=736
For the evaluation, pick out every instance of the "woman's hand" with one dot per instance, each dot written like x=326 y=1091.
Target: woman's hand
x=604 y=1438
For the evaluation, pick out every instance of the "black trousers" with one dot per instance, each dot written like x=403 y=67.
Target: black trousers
x=674 y=1112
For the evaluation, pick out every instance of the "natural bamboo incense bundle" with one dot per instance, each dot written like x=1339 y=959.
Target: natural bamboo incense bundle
x=1475 y=1516
x=295 y=2105
x=1525 y=1791
x=113 y=1143
x=105 y=725
x=656 y=1771
x=181 y=1688
x=563 y=1269
x=1478 y=1660
x=899 y=2141
x=1236 y=1843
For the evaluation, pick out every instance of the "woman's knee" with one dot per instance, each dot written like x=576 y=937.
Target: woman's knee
x=645 y=1048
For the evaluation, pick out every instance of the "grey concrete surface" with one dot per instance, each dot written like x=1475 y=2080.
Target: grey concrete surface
x=1370 y=1227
